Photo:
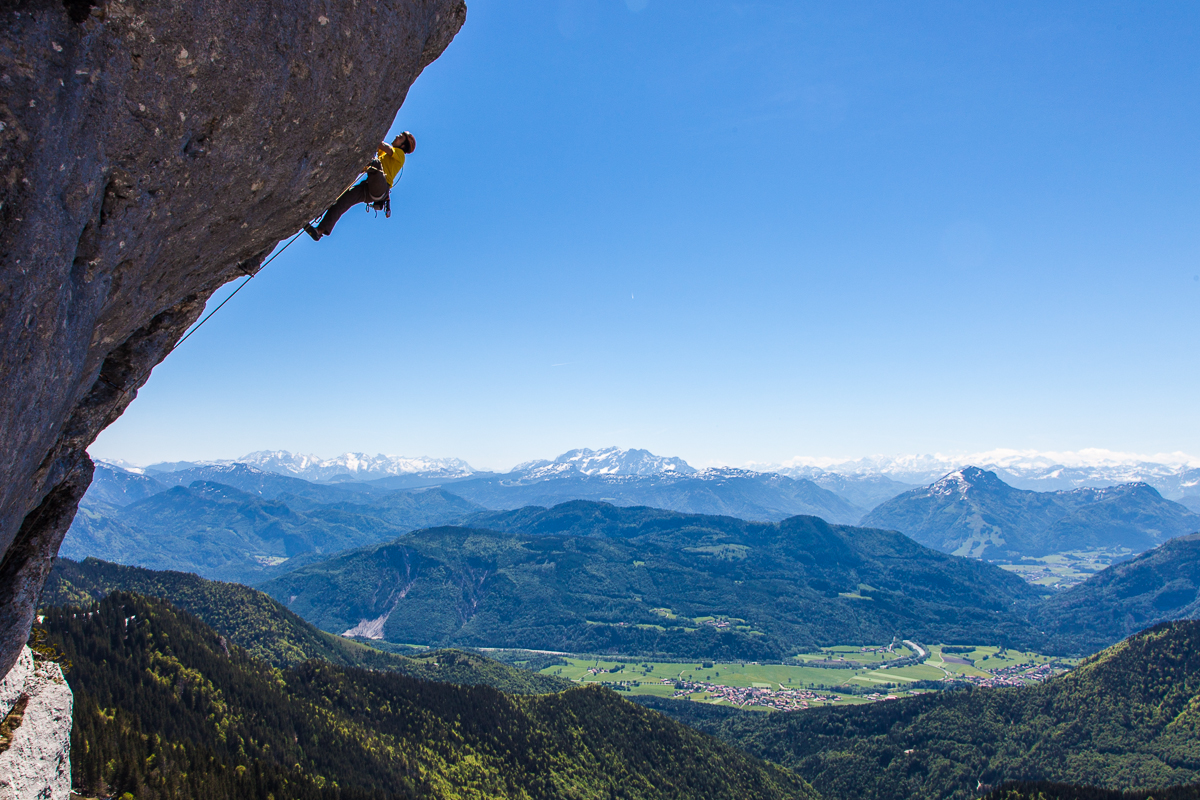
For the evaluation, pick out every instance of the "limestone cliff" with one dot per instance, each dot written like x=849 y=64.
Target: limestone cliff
x=35 y=740
x=151 y=151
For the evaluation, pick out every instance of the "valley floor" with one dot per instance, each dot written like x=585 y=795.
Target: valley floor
x=842 y=675
x=1061 y=571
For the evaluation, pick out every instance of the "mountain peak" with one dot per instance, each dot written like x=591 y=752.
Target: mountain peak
x=963 y=480
x=611 y=461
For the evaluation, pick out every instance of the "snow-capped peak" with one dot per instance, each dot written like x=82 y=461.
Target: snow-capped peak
x=609 y=461
x=122 y=464
x=357 y=465
x=961 y=481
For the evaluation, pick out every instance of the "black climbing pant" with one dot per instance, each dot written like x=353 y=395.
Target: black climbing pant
x=371 y=189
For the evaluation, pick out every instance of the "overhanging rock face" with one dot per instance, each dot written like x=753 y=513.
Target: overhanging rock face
x=151 y=151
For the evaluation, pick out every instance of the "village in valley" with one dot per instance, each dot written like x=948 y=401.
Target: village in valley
x=839 y=675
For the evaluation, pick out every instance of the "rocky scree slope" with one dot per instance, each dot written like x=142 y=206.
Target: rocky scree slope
x=149 y=153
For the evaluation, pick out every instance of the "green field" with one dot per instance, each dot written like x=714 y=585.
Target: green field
x=1061 y=571
x=813 y=680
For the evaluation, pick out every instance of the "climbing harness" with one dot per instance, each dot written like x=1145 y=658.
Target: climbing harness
x=207 y=317
x=384 y=203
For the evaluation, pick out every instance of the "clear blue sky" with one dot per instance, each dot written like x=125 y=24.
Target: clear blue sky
x=742 y=232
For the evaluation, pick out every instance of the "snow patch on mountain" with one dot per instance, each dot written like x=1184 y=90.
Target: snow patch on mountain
x=954 y=483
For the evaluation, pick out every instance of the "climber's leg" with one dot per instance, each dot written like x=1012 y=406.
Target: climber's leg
x=358 y=193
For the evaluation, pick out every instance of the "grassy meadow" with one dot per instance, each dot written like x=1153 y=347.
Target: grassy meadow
x=811 y=680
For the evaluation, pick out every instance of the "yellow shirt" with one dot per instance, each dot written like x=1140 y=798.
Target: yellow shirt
x=392 y=161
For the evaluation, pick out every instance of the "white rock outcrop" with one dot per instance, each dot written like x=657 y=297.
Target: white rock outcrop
x=36 y=705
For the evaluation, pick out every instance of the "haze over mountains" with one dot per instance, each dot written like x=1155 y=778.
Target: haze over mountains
x=623 y=477
x=865 y=482
x=223 y=532
x=348 y=466
x=237 y=521
x=1174 y=475
x=971 y=512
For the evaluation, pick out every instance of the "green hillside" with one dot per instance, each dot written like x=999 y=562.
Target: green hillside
x=1162 y=584
x=1045 y=790
x=270 y=632
x=646 y=581
x=165 y=708
x=1128 y=718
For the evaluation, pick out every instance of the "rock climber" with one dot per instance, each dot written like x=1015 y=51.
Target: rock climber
x=373 y=189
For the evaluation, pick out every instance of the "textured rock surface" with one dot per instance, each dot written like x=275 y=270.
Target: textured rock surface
x=151 y=151
x=37 y=762
x=14 y=682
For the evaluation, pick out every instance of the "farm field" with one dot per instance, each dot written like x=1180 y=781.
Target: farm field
x=841 y=675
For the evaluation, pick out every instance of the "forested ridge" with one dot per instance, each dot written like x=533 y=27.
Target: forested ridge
x=1160 y=584
x=166 y=708
x=270 y=632
x=1127 y=718
x=594 y=578
x=1045 y=790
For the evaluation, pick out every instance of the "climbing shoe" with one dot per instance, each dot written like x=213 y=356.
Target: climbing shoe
x=313 y=232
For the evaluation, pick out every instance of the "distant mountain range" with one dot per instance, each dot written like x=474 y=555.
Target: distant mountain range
x=349 y=466
x=239 y=522
x=971 y=512
x=244 y=531
x=728 y=492
x=623 y=477
x=634 y=475
x=1175 y=475
x=863 y=482
x=235 y=522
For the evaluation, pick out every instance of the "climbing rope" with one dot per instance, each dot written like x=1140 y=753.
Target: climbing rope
x=207 y=317
x=249 y=278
